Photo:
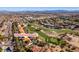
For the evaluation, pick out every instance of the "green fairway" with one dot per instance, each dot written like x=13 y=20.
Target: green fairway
x=48 y=39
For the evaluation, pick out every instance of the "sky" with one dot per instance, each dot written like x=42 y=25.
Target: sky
x=37 y=8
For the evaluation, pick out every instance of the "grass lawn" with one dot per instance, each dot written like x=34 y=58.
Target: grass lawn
x=47 y=38
x=63 y=30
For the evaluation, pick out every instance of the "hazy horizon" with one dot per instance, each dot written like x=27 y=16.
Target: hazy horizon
x=37 y=8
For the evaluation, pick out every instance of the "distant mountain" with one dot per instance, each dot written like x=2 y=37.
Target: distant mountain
x=51 y=11
x=46 y=11
x=58 y=11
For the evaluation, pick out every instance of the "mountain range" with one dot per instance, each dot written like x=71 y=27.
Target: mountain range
x=46 y=11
